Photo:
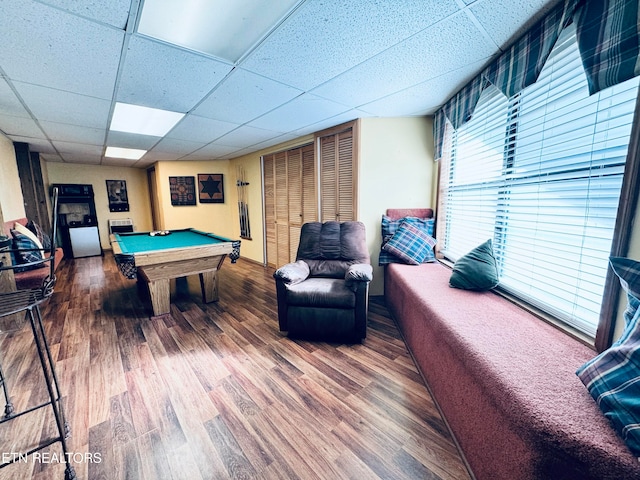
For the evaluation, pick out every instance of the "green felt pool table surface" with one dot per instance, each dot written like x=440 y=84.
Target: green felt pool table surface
x=136 y=242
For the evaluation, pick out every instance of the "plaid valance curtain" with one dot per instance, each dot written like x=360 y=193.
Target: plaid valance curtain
x=609 y=43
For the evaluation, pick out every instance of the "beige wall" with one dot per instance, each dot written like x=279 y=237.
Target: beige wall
x=396 y=171
x=137 y=191
x=208 y=217
x=11 y=199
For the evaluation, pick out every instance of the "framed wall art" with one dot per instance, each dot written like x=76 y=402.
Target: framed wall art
x=210 y=188
x=117 y=193
x=183 y=191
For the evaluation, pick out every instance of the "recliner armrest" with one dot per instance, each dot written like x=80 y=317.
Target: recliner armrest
x=359 y=272
x=293 y=273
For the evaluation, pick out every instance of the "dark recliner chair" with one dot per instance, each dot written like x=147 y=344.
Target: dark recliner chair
x=324 y=294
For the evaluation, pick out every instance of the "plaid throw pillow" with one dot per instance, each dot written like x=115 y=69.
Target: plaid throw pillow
x=45 y=240
x=25 y=255
x=389 y=228
x=613 y=380
x=613 y=377
x=628 y=272
x=410 y=244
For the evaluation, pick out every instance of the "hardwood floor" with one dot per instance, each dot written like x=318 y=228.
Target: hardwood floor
x=215 y=391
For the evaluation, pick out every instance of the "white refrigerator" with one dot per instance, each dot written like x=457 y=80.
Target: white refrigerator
x=85 y=241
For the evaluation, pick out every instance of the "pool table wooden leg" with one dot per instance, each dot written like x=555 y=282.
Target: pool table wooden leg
x=209 y=286
x=160 y=296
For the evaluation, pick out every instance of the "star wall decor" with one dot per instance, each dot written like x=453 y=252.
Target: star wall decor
x=210 y=188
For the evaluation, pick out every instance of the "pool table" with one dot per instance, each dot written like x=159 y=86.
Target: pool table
x=157 y=257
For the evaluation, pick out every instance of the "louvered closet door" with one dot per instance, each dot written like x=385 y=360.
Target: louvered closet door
x=294 y=180
x=290 y=198
x=309 y=185
x=282 y=209
x=328 y=179
x=345 y=187
x=337 y=178
x=270 y=209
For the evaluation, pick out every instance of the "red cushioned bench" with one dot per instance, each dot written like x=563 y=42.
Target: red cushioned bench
x=505 y=382
x=31 y=278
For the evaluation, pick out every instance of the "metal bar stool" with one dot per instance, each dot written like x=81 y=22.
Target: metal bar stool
x=28 y=301
x=5 y=243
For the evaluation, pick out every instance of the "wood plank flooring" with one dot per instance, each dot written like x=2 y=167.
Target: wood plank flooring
x=215 y=391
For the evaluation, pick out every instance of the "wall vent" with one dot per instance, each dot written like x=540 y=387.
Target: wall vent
x=121 y=225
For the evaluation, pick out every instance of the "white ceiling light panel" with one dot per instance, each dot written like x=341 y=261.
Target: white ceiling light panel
x=223 y=28
x=128 y=153
x=143 y=120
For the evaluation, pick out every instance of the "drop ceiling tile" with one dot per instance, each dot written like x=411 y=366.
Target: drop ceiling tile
x=22 y=126
x=298 y=113
x=118 y=162
x=131 y=140
x=211 y=152
x=81 y=158
x=153 y=156
x=506 y=21
x=143 y=163
x=64 y=107
x=426 y=97
x=332 y=122
x=36 y=144
x=176 y=147
x=63 y=51
x=49 y=157
x=200 y=129
x=406 y=64
x=162 y=76
x=9 y=103
x=73 y=133
x=240 y=153
x=420 y=52
x=113 y=12
x=322 y=40
x=247 y=135
x=267 y=143
x=243 y=96
x=66 y=148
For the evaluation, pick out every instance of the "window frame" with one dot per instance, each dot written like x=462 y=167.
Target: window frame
x=627 y=208
x=621 y=239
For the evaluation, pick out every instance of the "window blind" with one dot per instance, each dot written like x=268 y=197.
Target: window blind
x=540 y=173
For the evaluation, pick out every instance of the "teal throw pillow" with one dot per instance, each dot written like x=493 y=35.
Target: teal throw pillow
x=477 y=270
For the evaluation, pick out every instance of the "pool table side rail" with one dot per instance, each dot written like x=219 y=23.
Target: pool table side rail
x=174 y=254
x=180 y=254
x=212 y=235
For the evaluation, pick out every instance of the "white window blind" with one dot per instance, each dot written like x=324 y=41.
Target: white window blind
x=540 y=174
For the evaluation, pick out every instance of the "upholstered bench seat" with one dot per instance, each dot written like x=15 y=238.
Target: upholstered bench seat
x=505 y=381
x=31 y=278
